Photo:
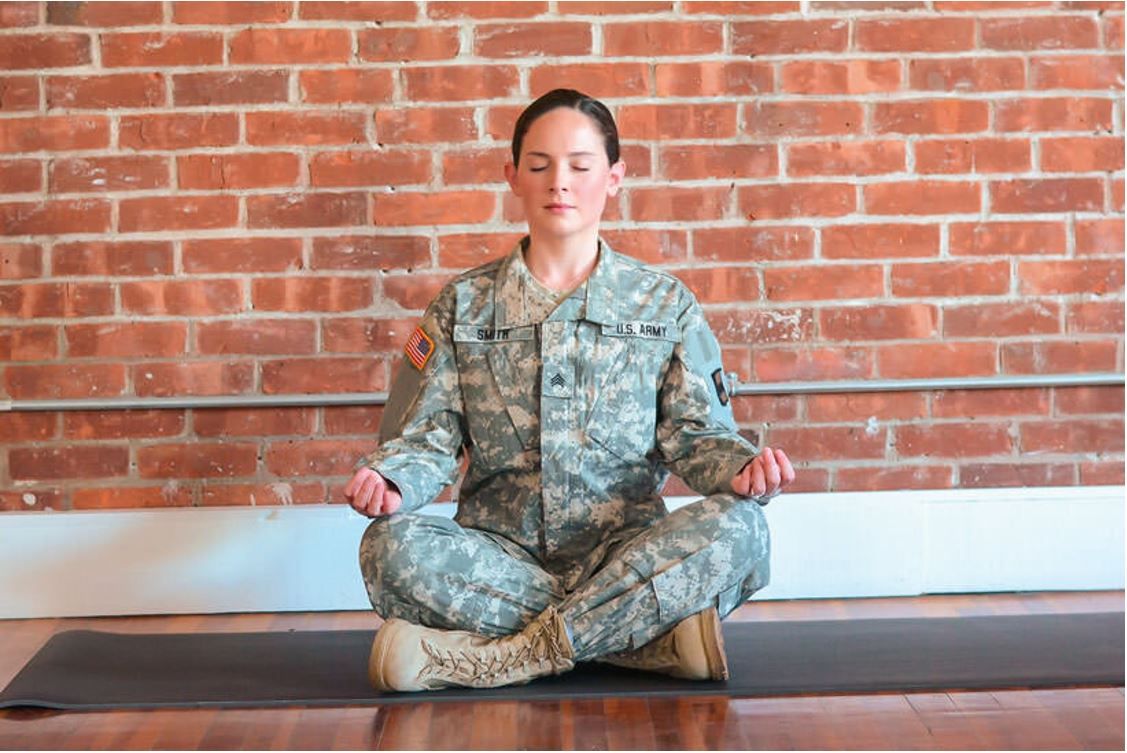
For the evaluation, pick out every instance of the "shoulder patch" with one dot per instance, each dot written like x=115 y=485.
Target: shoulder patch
x=419 y=348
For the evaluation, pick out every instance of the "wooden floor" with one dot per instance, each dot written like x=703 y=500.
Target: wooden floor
x=1065 y=719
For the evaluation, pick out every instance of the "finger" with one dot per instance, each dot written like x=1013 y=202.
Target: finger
x=758 y=483
x=770 y=471
x=379 y=489
x=368 y=492
x=785 y=467
x=392 y=501
x=353 y=484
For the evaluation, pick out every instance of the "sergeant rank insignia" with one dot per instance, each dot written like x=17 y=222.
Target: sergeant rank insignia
x=419 y=348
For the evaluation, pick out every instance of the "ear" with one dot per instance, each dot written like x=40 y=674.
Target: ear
x=615 y=177
x=511 y=176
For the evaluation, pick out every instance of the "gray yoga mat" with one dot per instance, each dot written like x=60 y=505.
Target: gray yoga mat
x=84 y=669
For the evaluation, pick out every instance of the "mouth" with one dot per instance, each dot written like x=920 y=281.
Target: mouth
x=558 y=206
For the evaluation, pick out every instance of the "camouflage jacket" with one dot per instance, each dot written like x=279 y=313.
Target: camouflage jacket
x=572 y=424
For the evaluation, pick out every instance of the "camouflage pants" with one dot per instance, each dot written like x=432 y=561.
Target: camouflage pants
x=432 y=571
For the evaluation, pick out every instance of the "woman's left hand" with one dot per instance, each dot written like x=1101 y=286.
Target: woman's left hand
x=765 y=476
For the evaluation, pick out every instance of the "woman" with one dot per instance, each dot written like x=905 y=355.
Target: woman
x=576 y=378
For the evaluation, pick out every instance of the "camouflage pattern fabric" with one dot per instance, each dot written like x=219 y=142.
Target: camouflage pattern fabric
x=572 y=422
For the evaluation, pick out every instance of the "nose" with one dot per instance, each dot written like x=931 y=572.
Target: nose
x=558 y=175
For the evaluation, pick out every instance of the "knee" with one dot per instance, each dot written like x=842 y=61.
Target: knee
x=386 y=547
x=741 y=522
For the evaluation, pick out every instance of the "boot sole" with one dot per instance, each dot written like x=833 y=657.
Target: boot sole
x=713 y=640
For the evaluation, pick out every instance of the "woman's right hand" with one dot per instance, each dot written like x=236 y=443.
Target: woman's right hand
x=371 y=494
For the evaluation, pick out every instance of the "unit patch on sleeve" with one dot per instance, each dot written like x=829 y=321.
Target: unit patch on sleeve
x=419 y=348
x=718 y=382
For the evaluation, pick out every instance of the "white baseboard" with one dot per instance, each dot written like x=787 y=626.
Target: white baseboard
x=841 y=544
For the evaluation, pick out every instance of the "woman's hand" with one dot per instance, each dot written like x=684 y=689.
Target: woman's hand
x=765 y=475
x=371 y=494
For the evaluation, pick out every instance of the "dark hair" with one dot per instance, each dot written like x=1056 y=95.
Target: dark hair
x=576 y=100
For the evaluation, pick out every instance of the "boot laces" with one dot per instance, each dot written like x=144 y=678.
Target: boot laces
x=497 y=658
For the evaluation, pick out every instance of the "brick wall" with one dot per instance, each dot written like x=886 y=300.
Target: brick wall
x=260 y=198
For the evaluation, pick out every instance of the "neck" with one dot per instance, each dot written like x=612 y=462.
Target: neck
x=561 y=264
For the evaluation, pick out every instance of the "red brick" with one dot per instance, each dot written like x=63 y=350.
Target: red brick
x=161 y=49
x=1010 y=474
x=30 y=499
x=464 y=250
x=277 y=493
x=55 y=299
x=1101 y=317
x=197 y=460
x=1059 y=357
x=131 y=497
x=254 y=255
x=405 y=43
x=1096 y=399
x=687 y=121
x=672 y=203
x=20 y=176
x=307 y=210
x=845 y=158
x=722 y=284
x=1039 y=33
x=126 y=340
x=1001 y=319
x=129 y=173
x=770 y=409
x=922 y=197
x=64 y=380
x=618 y=79
x=20 y=261
x=309 y=128
x=314 y=375
x=829 y=442
x=1047 y=195
x=234 y=171
x=37 y=343
x=990 y=402
x=419 y=125
x=230 y=87
x=789 y=37
x=914 y=34
x=182 y=297
x=428 y=208
x=315 y=457
x=367 y=168
x=1007 y=238
x=414 y=291
x=28 y=426
x=347 y=84
x=178 y=213
x=474 y=166
x=102 y=92
x=19 y=92
x=931 y=116
x=765 y=202
x=104 y=13
x=966 y=74
x=122 y=424
x=753 y=244
x=371 y=252
x=179 y=131
x=192 y=378
x=878 y=322
x=35 y=51
x=922 y=360
x=358 y=11
x=1091 y=276
x=1053 y=114
x=654 y=246
x=254 y=422
x=55 y=217
x=1082 y=154
x=353 y=419
x=258 y=336
x=821 y=282
x=839 y=77
x=453 y=84
x=54 y=133
x=109 y=258
x=872 y=241
x=298 y=294
x=812 y=363
x=84 y=462
x=1112 y=33
x=738 y=327
x=231 y=13
x=1098 y=237
x=661 y=38
x=1103 y=436
x=1102 y=472
x=865 y=406
x=289 y=46
x=363 y=335
x=549 y=39
x=953 y=440
x=892 y=478
x=777 y=120
x=1077 y=72
x=16 y=14
x=717 y=162
x=977 y=156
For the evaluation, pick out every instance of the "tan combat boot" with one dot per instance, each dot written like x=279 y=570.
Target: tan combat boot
x=410 y=657
x=693 y=649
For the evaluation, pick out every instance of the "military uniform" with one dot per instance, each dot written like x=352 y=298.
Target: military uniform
x=573 y=412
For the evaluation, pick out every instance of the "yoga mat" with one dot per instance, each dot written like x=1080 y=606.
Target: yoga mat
x=84 y=669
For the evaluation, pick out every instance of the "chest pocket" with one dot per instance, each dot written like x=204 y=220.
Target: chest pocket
x=631 y=362
x=497 y=372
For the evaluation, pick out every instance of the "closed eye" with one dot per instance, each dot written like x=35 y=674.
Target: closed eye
x=577 y=169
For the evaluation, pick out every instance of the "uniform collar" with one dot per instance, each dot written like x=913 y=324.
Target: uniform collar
x=509 y=309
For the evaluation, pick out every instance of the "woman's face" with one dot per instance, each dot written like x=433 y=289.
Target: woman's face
x=563 y=161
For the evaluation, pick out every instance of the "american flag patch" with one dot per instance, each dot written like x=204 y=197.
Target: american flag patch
x=419 y=348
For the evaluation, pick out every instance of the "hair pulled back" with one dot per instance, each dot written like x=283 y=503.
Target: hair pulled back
x=576 y=100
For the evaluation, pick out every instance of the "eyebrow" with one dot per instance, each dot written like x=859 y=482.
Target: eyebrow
x=570 y=154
